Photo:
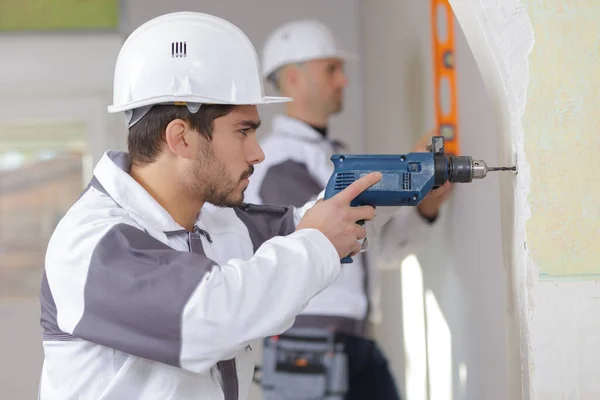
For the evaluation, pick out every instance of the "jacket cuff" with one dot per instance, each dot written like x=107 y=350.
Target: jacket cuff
x=323 y=247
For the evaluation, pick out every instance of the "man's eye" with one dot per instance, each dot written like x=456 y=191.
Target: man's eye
x=244 y=131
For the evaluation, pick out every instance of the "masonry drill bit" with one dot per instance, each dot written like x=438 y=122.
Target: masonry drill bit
x=502 y=168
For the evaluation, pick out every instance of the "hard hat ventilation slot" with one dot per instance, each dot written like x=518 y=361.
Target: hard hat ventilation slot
x=178 y=49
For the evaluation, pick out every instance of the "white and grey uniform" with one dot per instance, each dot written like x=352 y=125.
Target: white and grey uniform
x=135 y=307
x=297 y=167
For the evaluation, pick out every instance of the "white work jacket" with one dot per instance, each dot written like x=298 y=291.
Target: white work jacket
x=136 y=307
x=297 y=167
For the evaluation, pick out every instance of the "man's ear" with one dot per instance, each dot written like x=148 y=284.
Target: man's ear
x=181 y=139
x=289 y=75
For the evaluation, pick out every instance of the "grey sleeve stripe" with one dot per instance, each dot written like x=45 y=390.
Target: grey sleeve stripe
x=48 y=317
x=135 y=293
x=264 y=222
x=288 y=183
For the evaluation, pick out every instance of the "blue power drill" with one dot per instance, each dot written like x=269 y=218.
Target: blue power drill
x=406 y=178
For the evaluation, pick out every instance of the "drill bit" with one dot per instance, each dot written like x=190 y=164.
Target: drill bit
x=502 y=168
x=479 y=169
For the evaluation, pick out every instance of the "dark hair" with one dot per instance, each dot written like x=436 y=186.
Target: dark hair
x=146 y=137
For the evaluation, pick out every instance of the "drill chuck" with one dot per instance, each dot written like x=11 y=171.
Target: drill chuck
x=463 y=169
x=460 y=169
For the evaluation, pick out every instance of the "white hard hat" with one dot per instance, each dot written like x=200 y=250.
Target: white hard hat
x=187 y=58
x=299 y=41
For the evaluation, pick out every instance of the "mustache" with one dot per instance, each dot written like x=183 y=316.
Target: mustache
x=247 y=173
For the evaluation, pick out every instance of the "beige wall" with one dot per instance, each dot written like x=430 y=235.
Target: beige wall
x=561 y=138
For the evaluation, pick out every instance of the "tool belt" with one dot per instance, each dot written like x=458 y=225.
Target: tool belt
x=308 y=361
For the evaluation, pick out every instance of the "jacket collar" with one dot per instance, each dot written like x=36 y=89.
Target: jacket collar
x=294 y=128
x=112 y=172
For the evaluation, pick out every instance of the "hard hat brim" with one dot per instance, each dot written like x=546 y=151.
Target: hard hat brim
x=196 y=100
x=339 y=54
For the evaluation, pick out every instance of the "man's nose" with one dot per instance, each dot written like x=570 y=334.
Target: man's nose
x=343 y=79
x=255 y=154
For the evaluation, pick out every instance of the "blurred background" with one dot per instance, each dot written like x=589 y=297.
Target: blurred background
x=445 y=316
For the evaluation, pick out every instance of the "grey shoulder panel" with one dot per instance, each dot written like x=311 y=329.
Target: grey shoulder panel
x=94 y=183
x=266 y=221
x=288 y=183
x=135 y=293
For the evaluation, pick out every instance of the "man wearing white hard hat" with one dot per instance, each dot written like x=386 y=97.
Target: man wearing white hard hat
x=159 y=277
x=303 y=61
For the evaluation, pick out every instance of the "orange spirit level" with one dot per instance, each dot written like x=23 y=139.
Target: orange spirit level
x=446 y=105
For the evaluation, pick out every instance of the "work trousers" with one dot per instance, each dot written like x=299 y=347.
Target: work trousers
x=369 y=373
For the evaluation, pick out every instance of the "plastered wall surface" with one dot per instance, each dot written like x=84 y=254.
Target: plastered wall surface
x=546 y=94
x=563 y=233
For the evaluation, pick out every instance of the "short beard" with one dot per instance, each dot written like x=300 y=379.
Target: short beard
x=210 y=181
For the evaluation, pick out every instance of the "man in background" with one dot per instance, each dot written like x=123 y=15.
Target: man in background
x=302 y=60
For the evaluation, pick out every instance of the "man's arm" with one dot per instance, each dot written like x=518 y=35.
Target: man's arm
x=115 y=285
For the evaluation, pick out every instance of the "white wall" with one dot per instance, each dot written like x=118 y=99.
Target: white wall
x=60 y=78
x=51 y=79
x=463 y=265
